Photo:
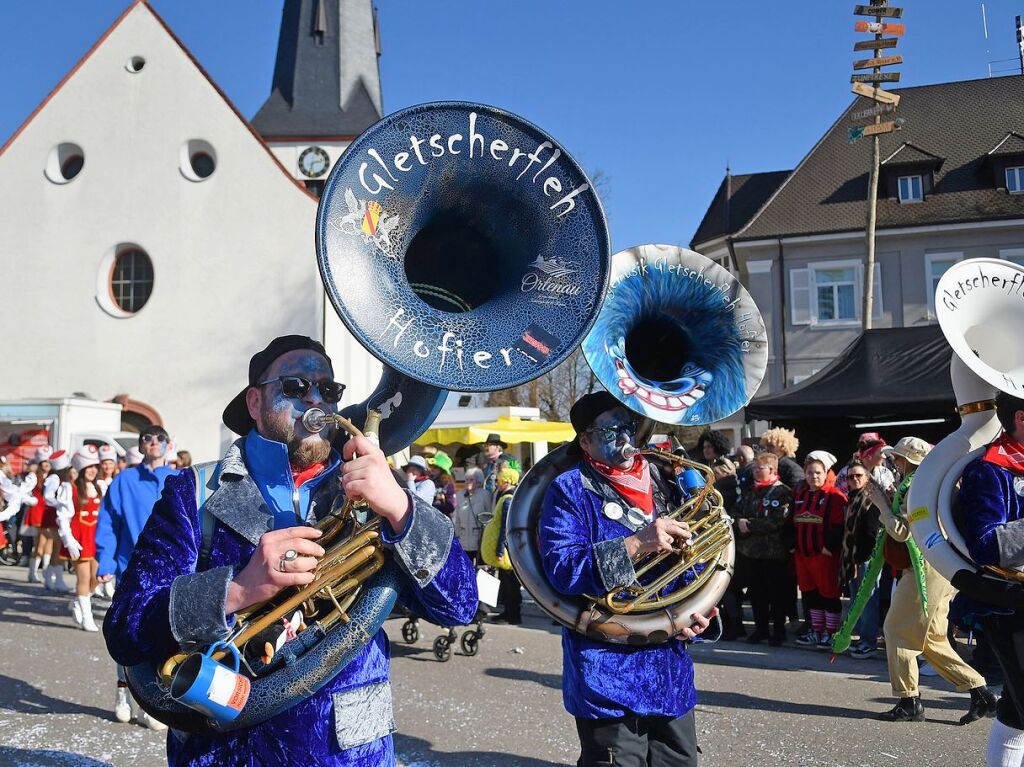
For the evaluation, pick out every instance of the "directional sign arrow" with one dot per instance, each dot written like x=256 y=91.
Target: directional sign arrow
x=883 y=61
x=877 y=77
x=880 y=28
x=864 y=114
x=877 y=94
x=879 y=11
x=874 y=45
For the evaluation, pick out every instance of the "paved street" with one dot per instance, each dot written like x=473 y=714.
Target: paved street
x=783 y=707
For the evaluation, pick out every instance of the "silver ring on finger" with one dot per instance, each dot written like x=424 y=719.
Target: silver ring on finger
x=289 y=556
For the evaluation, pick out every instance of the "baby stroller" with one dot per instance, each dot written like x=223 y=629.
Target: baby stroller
x=442 y=646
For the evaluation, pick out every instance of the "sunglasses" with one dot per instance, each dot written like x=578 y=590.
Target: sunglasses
x=611 y=432
x=298 y=387
x=150 y=437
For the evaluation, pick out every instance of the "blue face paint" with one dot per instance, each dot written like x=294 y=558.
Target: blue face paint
x=608 y=434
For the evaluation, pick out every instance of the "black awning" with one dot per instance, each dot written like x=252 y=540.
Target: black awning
x=886 y=374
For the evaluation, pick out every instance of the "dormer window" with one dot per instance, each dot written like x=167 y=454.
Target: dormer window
x=1015 y=179
x=911 y=189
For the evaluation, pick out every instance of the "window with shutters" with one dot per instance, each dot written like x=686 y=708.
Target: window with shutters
x=830 y=293
x=935 y=265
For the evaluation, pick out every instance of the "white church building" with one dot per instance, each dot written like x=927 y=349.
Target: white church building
x=152 y=239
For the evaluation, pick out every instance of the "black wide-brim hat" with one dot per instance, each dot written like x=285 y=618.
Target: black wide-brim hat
x=495 y=439
x=236 y=415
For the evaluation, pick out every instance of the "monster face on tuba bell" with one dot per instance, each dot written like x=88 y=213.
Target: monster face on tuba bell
x=679 y=340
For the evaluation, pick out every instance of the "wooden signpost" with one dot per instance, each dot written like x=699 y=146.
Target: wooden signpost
x=886 y=104
x=879 y=11
x=876 y=77
x=884 y=61
x=880 y=28
x=876 y=94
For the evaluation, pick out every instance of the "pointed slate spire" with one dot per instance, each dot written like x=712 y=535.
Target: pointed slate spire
x=326 y=76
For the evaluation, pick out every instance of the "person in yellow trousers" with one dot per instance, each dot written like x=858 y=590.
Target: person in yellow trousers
x=909 y=632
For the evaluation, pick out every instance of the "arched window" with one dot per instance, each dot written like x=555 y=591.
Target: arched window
x=131 y=280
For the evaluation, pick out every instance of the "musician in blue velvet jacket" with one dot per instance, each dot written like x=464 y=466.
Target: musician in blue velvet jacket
x=274 y=481
x=991 y=520
x=633 y=705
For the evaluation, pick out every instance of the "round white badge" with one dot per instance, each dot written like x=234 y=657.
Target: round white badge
x=637 y=517
x=613 y=511
x=1018 y=485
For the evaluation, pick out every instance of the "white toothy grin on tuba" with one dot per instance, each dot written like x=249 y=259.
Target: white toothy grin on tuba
x=979 y=306
x=678 y=340
x=466 y=250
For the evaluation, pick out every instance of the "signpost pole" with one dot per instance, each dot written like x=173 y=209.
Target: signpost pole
x=869 y=270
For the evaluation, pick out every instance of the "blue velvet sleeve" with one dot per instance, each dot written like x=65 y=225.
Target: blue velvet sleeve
x=441 y=582
x=450 y=599
x=983 y=504
x=107 y=534
x=566 y=546
x=137 y=627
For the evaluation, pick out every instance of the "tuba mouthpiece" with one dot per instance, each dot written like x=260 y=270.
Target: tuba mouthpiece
x=628 y=451
x=314 y=420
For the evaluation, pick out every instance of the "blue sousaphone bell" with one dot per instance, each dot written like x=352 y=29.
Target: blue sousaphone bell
x=462 y=246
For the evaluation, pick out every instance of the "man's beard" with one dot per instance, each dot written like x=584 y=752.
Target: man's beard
x=302 y=453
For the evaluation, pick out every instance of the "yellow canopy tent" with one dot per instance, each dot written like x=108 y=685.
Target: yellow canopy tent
x=512 y=429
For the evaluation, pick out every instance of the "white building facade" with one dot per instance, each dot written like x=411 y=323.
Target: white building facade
x=151 y=242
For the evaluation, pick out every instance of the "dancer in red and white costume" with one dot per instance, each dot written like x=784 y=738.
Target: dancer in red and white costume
x=53 y=573
x=41 y=551
x=78 y=511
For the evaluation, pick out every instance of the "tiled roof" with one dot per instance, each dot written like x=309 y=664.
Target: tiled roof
x=959 y=121
x=748 y=193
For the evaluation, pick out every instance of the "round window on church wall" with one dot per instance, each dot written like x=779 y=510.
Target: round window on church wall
x=131 y=280
x=135 y=64
x=64 y=162
x=197 y=160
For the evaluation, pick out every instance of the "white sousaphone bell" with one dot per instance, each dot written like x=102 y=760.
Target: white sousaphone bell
x=980 y=308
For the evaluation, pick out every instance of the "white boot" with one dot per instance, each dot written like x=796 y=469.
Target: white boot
x=76 y=611
x=59 y=584
x=85 y=605
x=33 y=570
x=47 y=573
x=150 y=722
x=108 y=589
x=122 y=705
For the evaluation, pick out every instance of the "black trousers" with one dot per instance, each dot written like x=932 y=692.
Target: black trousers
x=769 y=594
x=1005 y=635
x=638 y=741
x=509 y=595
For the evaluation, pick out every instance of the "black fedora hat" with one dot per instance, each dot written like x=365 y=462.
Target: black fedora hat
x=495 y=439
x=236 y=415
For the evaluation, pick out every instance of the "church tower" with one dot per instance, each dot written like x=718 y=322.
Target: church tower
x=326 y=88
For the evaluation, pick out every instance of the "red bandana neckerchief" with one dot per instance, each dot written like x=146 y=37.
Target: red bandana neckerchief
x=304 y=475
x=633 y=484
x=1006 y=452
x=767 y=483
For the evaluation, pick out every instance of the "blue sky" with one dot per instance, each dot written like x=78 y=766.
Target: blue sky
x=656 y=96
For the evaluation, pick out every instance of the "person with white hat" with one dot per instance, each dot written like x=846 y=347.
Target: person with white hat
x=417 y=479
x=818 y=516
x=909 y=630
x=60 y=472
x=39 y=465
x=108 y=465
x=77 y=516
